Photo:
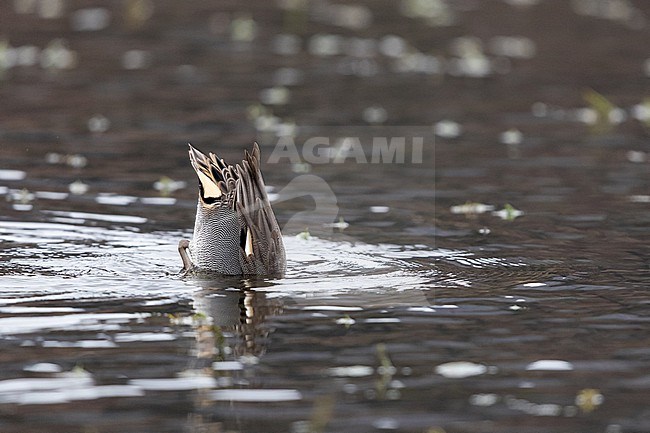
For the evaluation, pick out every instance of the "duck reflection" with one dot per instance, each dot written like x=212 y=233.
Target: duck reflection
x=229 y=325
x=231 y=313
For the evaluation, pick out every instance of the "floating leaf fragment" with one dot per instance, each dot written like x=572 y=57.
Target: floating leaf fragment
x=605 y=113
x=346 y=321
x=167 y=185
x=341 y=224
x=589 y=399
x=508 y=213
x=305 y=235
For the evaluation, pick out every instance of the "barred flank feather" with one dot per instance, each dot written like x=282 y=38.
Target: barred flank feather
x=235 y=230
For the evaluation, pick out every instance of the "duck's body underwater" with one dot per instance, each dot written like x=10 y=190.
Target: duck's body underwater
x=235 y=232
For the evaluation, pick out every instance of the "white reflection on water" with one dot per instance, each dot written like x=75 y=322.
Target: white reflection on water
x=12 y=174
x=460 y=369
x=69 y=322
x=55 y=390
x=127 y=219
x=175 y=384
x=256 y=395
x=550 y=365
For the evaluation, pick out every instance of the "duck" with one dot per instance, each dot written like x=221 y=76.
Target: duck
x=235 y=230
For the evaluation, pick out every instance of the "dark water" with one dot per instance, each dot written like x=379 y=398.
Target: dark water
x=420 y=301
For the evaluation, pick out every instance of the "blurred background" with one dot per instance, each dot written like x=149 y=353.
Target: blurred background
x=99 y=99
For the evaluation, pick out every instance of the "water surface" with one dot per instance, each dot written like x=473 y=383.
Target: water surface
x=497 y=283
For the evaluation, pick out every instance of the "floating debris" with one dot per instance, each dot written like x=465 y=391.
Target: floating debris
x=531 y=408
x=78 y=187
x=641 y=112
x=483 y=400
x=637 y=156
x=354 y=17
x=22 y=196
x=325 y=45
x=301 y=167
x=512 y=136
x=416 y=62
x=589 y=399
x=436 y=13
x=137 y=12
x=21 y=199
x=508 y=213
x=27 y=55
x=601 y=114
x=374 y=115
x=51 y=9
x=54 y=158
x=484 y=231
x=379 y=209
x=90 y=19
x=447 y=129
x=512 y=46
x=346 y=321
x=470 y=60
x=8 y=56
x=341 y=224
x=243 y=28
x=278 y=95
x=393 y=46
x=588 y=116
x=263 y=119
x=76 y=160
x=136 y=59
x=46 y=9
x=288 y=77
x=471 y=208
x=286 y=128
x=167 y=185
x=622 y=11
x=57 y=56
x=305 y=235
x=98 y=123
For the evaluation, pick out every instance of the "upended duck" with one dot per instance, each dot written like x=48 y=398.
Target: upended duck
x=235 y=232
